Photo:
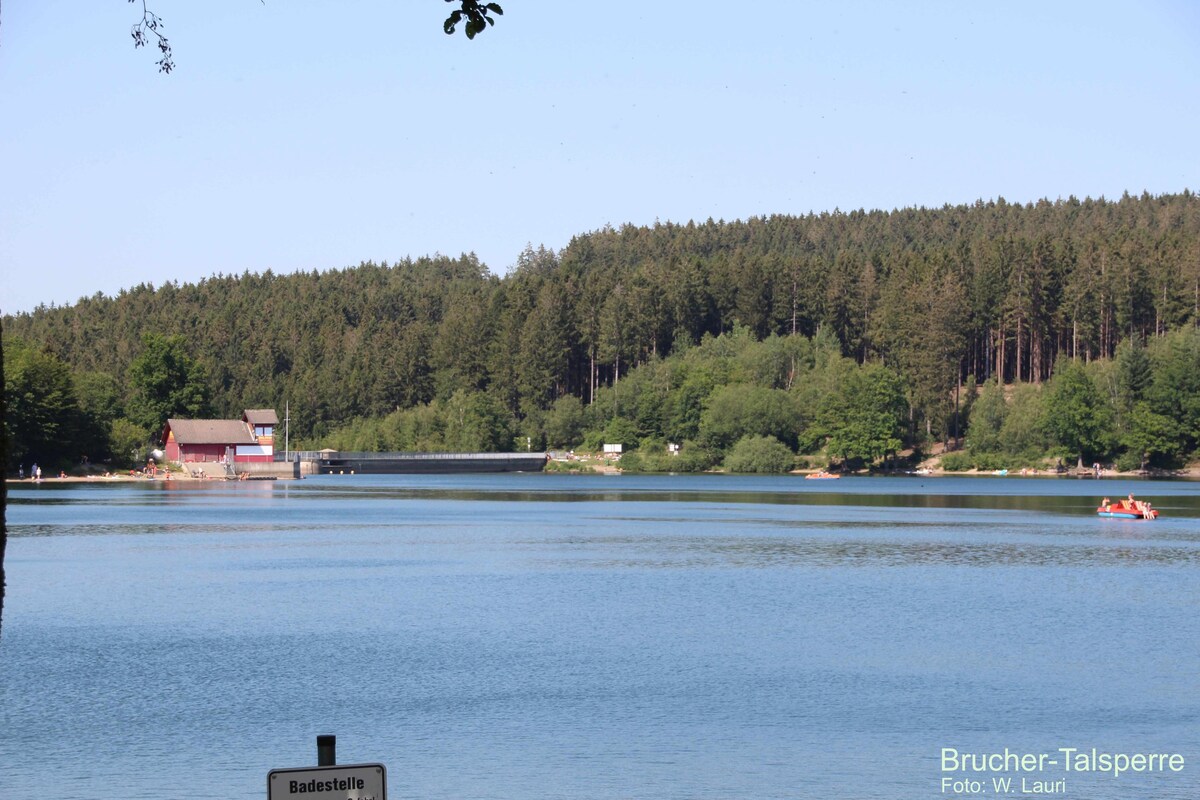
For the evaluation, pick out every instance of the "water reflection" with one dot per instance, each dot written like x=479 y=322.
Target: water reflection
x=607 y=638
x=703 y=553
x=1040 y=494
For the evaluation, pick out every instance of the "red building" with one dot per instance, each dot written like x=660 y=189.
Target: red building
x=250 y=439
x=262 y=422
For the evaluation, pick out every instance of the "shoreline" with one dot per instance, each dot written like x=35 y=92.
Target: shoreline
x=1187 y=475
x=114 y=478
x=1190 y=472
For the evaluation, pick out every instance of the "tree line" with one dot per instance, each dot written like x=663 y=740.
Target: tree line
x=923 y=301
x=775 y=404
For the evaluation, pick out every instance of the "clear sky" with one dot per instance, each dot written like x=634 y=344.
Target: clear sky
x=298 y=134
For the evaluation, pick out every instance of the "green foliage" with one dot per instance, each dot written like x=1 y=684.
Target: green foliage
x=652 y=456
x=963 y=460
x=593 y=441
x=989 y=462
x=650 y=323
x=167 y=382
x=1129 y=462
x=1023 y=432
x=1151 y=436
x=419 y=429
x=101 y=402
x=621 y=431
x=1076 y=414
x=741 y=410
x=529 y=433
x=1175 y=390
x=635 y=461
x=476 y=422
x=921 y=324
x=1005 y=432
x=685 y=406
x=1135 y=373
x=987 y=419
x=43 y=421
x=467 y=422
x=568 y=467
x=693 y=457
x=958 y=461
x=130 y=443
x=99 y=397
x=759 y=454
x=775 y=361
x=969 y=394
x=864 y=413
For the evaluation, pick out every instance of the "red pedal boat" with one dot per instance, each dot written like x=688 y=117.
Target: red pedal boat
x=1127 y=509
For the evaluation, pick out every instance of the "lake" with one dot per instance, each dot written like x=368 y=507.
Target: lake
x=556 y=636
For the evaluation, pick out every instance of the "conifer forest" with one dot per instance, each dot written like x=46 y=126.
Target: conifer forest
x=1010 y=334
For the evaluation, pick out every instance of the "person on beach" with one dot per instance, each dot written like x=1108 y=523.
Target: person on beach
x=20 y=472
x=38 y=471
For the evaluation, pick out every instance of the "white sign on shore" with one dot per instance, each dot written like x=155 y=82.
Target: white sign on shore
x=342 y=782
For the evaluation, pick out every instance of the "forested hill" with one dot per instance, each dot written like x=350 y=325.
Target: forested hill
x=938 y=294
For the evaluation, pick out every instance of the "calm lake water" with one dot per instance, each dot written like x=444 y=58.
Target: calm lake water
x=538 y=636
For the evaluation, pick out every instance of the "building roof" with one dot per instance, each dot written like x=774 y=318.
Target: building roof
x=261 y=416
x=211 y=431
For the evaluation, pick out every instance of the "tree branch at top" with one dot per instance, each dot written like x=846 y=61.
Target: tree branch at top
x=478 y=16
x=148 y=27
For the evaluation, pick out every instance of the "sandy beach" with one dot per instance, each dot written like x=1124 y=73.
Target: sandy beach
x=1190 y=472
x=113 y=477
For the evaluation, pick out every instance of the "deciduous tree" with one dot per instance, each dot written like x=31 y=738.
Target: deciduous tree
x=1076 y=413
x=863 y=416
x=167 y=383
x=43 y=420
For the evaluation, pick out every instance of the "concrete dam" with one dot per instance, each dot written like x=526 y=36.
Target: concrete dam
x=332 y=462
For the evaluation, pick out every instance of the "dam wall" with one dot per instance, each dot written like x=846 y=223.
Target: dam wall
x=329 y=462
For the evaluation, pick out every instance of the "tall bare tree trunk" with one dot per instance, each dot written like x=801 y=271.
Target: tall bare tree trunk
x=794 y=290
x=3 y=482
x=1000 y=354
x=987 y=351
x=957 y=387
x=1105 y=331
x=1017 y=375
x=1035 y=355
x=592 y=390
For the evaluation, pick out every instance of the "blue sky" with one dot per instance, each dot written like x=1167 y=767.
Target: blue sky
x=314 y=135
